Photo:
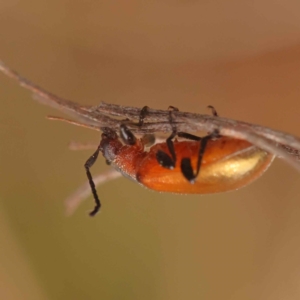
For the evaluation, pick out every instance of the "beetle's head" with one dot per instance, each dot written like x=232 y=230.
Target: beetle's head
x=110 y=144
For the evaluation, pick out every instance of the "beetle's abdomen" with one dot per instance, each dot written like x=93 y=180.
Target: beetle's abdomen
x=227 y=164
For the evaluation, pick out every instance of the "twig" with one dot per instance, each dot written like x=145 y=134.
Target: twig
x=279 y=143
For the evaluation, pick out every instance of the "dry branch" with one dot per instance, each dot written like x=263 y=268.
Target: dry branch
x=279 y=143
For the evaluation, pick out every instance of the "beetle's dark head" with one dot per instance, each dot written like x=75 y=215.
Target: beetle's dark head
x=110 y=144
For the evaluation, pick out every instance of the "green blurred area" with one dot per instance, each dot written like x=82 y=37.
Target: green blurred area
x=242 y=59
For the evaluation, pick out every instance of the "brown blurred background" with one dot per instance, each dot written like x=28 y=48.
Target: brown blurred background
x=242 y=57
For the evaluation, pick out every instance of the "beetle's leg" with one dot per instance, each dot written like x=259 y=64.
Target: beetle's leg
x=169 y=140
x=89 y=163
x=189 y=136
x=213 y=110
x=143 y=114
x=193 y=137
x=215 y=133
x=186 y=166
x=163 y=158
x=147 y=139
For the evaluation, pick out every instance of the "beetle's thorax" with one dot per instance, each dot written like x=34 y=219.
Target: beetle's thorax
x=129 y=159
x=125 y=158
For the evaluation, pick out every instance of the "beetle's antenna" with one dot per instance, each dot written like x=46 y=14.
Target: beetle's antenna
x=89 y=163
x=90 y=126
x=84 y=191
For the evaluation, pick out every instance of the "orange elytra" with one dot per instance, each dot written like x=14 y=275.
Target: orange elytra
x=207 y=165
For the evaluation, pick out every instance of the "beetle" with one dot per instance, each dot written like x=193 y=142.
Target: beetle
x=195 y=165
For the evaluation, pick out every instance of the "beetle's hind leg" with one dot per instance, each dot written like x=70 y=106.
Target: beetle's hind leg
x=186 y=166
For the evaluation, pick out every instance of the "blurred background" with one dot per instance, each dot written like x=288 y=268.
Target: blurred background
x=242 y=57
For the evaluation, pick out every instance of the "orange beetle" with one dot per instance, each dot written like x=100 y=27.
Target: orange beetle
x=211 y=164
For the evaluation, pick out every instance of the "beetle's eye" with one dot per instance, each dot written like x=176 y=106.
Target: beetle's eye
x=126 y=135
